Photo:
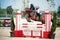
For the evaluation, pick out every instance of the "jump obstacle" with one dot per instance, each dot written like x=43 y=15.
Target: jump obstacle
x=32 y=29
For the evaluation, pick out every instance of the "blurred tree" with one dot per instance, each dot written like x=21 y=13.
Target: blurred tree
x=9 y=10
x=48 y=0
x=59 y=11
x=51 y=4
x=2 y=12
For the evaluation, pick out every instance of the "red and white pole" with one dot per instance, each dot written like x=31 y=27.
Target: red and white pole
x=47 y=24
x=17 y=31
x=17 y=20
x=47 y=20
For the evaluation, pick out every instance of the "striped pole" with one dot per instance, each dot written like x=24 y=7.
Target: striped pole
x=17 y=20
x=47 y=20
x=47 y=24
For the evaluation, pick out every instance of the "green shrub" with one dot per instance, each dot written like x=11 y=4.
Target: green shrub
x=12 y=23
x=1 y=24
x=54 y=23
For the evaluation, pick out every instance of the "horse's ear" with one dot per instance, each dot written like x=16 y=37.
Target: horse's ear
x=32 y=7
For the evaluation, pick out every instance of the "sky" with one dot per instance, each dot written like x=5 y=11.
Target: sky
x=18 y=4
